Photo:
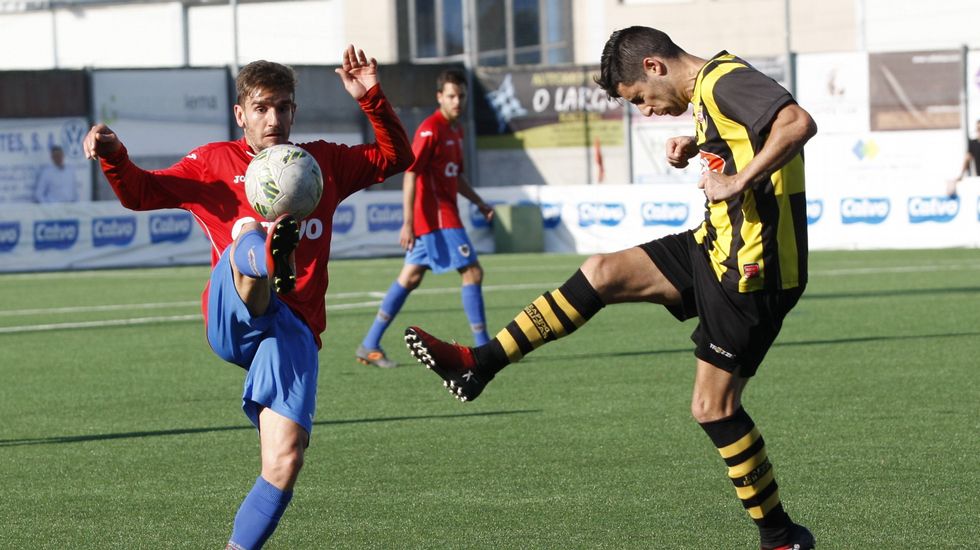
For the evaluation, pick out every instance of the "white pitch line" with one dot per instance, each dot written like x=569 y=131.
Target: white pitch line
x=96 y=308
x=896 y=269
x=375 y=302
x=101 y=324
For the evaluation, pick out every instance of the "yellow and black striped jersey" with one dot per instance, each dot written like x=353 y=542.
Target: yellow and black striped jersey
x=758 y=239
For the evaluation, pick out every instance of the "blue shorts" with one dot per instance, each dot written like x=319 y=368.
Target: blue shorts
x=277 y=349
x=442 y=250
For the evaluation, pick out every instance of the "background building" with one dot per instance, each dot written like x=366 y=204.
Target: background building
x=893 y=85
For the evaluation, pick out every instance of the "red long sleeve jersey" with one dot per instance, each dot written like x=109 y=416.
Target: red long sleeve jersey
x=209 y=183
x=438 y=149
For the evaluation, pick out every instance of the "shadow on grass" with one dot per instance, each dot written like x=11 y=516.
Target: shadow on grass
x=190 y=431
x=690 y=350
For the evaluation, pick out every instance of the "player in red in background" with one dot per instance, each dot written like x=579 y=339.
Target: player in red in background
x=264 y=304
x=432 y=232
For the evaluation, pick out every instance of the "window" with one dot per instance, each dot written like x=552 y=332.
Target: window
x=425 y=28
x=507 y=32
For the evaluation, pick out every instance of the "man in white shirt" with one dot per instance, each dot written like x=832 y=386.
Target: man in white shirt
x=56 y=182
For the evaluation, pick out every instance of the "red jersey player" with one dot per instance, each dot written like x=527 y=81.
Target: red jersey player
x=264 y=304
x=432 y=232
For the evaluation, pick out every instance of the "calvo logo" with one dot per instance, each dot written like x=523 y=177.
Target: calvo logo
x=664 y=213
x=864 y=210
x=933 y=209
x=384 y=217
x=113 y=231
x=814 y=211
x=55 y=234
x=9 y=235
x=172 y=228
x=343 y=219
x=609 y=214
x=551 y=214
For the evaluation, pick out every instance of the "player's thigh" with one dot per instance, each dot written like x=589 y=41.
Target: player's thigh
x=629 y=276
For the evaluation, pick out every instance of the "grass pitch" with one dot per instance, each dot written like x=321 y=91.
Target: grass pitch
x=122 y=430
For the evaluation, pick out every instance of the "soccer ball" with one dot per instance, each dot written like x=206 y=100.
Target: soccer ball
x=283 y=179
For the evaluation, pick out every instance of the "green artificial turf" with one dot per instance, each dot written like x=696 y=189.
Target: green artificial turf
x=132 y=436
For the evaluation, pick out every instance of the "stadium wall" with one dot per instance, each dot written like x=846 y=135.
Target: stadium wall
x=583 y=219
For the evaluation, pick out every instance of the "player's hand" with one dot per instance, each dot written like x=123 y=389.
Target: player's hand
x=407 y=237
x=486 y=210
x=680 y=149
x=719 y=187
x=358 y=73
x=100 y=141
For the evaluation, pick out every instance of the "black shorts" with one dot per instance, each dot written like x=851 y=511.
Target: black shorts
x=735 y=329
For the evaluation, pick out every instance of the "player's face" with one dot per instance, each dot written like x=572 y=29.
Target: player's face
x=266 y=117
x=57 y=157
x=653 y=96
x=451 y=100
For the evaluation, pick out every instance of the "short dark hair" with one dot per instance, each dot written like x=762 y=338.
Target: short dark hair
x=450 y=76
x=56 y=148
x=265 y=75
x=622 y=57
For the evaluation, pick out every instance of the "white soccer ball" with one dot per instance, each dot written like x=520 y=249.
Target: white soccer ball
x=283 y=179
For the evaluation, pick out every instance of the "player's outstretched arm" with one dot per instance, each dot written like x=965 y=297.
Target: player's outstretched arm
x=100 y=142
x=136 y=188
x=358 y=73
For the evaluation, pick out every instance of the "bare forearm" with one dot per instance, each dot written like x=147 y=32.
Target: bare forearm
x=790 y=131
x=465 y=189
x=408 y=198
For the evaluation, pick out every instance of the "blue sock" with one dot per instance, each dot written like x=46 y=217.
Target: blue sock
x=258 y=515
x=390 y=306
x=473 y=306
x=250 y=255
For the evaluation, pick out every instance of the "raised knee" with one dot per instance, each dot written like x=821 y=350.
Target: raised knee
x=596 y=270
x=248 y=227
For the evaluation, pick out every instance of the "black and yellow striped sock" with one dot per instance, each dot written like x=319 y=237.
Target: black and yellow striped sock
x=552 y=315
x=744 y=451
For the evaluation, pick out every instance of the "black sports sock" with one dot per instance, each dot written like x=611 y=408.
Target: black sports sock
x=744 y=451
x=552 y=315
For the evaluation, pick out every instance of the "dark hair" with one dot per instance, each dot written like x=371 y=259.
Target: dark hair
x=56 y=148
x=622 y=57
x=265 y=75
x=450 y=76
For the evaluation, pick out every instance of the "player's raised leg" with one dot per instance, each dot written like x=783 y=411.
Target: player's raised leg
x=625 y=276
x=283 y=442
x=717 y=407
x=260 y=257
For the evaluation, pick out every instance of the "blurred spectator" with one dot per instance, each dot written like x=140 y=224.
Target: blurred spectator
x=970 y=160
x=56 y=182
